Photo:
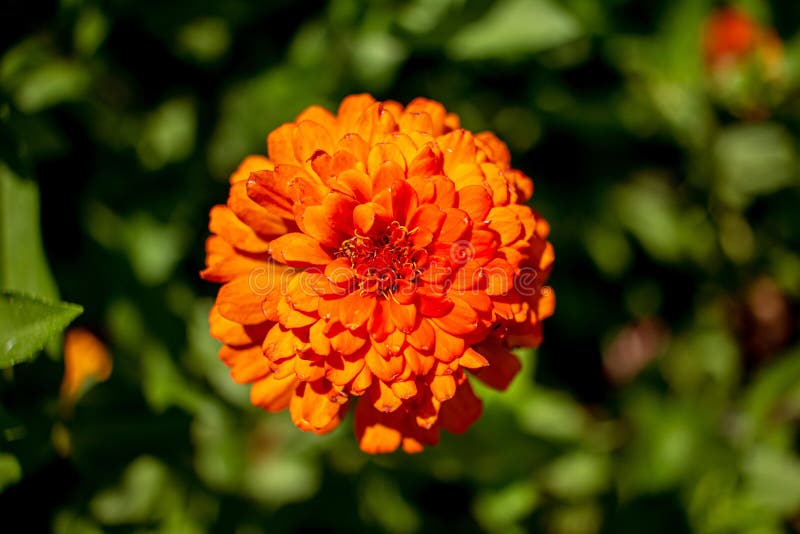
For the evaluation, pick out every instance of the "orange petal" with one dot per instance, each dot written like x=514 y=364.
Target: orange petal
x=280 y=146
x=377 y=432
x=374 y=121
x=340 y=370
x=503 y=366
x=240 y=302
x=355 y=183
x=477 y=300
x=448 y=347
x=262 y=221
x=444 y=194
x=547 y=257
x=468 y=175
x=350 y=111
x=224 y=263
x=283 y=368
x=233 y=333
x=322 y=164
x=319 y=115
x=281 y=343
x=404 y=200
x=485 y=245
x=443 y=387
x=248 y=165
x=344 y=341
x=472 y=359
x=547 y=303
x=355 y=145
x=291 y=318
x=354 y=309
x=455 y=224
x=434 y=110
x=383 y=398
x=247 y=363
x=298 y=249
x=86 y=359
x=458 y=147
x=404 y=389
x=302 y=187
x=494 y=148
x=308 y=137
x=428 y=217
x=500 y=277
x=422 y=337
x=320 y=343
x=469 y=276
x=417 y=363
x=338 y=210
x=380 y=324
x=273 y=394
x=268 y=190
x=303 y=290
x=506 y=223
x=416 y=121
x=458 y=414
x=433 y=304
x=316 y=406
x=361 y=382
x=390 y=345
x=403 y=315
x=309 y=369
x=312 y=221
x=428 y=162
x=475 y=200
x=365 y=216
x=460 y=320
x=427 y=411
x=223 y=222
x=379 y=155
x=385 y=368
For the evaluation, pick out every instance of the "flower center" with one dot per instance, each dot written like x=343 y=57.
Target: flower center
x=384 y=263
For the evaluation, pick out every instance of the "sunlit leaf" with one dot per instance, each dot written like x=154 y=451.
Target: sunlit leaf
x=169 y=133
x=91 y=29
x=513 y=28
x=497 y=511
x=577 y=475
x=10 y=470
x=204 y=39
x=755 y=159
x=773 y=479
x=23 y=266
x=385 y=505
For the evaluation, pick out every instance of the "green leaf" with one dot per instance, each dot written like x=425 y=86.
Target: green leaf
x=23 y=267
x=500 y=510
x=754 y=159
x=27 y=324
x=513 y=28
x=772 y=478
x=10 y=470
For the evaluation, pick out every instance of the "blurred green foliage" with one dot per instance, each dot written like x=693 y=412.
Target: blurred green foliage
x=666 y=395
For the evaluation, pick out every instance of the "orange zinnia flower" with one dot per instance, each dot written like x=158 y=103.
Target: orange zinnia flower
x=378 y=253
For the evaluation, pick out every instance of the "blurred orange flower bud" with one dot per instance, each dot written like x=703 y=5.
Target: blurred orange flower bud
x=86 y=360
x=732 y=37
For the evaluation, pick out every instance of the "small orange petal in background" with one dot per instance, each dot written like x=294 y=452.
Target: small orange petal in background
x=86 y=360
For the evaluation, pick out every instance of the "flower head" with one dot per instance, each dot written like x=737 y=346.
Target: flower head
x=732 y=38
x=380 y=254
